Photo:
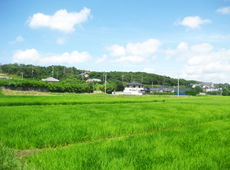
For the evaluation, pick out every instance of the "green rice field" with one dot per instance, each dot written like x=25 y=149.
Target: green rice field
x=116 y=132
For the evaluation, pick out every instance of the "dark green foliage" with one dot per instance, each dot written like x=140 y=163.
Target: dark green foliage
x=192 y=92
x=53 y=87
x=109 y=88
x=198 y=89
x=226 y=92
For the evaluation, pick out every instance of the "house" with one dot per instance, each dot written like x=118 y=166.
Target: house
x=85 y=74
x=133 y=88
x=1 y=65
x=161 y=88
x=93 y=80
x=50 y=79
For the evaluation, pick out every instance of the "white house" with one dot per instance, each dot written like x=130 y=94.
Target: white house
x=92 y=80
x=133 y=88
x=51 y=79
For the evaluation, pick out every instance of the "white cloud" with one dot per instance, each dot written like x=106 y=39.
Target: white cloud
x=117 y=51
x=32 y=56
x=193 y=22
x=225 y=10
x=148 y=47
x=129 y=59
x=61 y=20
x=99 y=60
x=61 y=41
x=154 y=57
x=149 y=70
x=18 y=39
x=134 y=53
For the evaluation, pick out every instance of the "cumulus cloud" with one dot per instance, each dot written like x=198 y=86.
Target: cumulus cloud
x=61 y=20
x=225 y=10
x=184 y=51
x=192 y=22
x=18 y=39
x=100 y=60
x=203 y=62
x=117 y=51
x=134 y=52
x=149 y=70
x=32 y=56
x=148 y=47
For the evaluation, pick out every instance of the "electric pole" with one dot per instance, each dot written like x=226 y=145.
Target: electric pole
x=52 y=71
x=178 y=86
x=152 y=84
x=57 y=74
x=105 y=84
x=131 y=78
x=32 y=72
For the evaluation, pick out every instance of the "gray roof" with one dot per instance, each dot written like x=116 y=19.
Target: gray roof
x=163 y=86
x=134 y=83
x=183 y=89
x=50 y=79
x=82 y=74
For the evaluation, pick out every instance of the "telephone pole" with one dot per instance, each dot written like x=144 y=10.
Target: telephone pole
x=52 y=71
x=178 y=86
x=105 y=84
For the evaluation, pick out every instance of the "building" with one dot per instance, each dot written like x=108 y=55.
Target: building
x=51 y=80
x=162 y=89
x=93 y=80
x=84 y=74
x=133 y=88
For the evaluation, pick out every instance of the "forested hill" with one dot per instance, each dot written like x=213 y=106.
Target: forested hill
x=62 y=72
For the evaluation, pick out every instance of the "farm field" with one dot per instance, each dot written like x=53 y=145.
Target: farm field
x=117 y=132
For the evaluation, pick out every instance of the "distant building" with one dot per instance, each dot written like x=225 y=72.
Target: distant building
x=51 y=79
x=161 y=88
x=93 y=80
x=133 y=88
x=84 y=74
x=1 y=65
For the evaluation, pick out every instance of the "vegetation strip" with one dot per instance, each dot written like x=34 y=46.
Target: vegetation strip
x=26 y=153
x=75 y=103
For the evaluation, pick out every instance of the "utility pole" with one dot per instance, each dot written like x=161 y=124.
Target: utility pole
x=131 y=78
x=57 y=74
x=32 y=72
x=93 y=86
x=82 y=75
x=122 y=77
x=152 y=84
x=141 y=79
x=178 y=86
x=105 y=84
x=22 y=75
x=52 y=71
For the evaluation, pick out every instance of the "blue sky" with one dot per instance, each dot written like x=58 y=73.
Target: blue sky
x=165 y=37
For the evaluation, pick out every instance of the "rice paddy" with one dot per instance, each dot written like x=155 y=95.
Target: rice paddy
x=117 y=132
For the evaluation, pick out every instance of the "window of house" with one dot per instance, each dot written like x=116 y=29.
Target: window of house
x=134 y=86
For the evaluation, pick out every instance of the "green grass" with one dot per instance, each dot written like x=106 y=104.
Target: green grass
x=119 y=132
x=203 y=146
x=68 y=99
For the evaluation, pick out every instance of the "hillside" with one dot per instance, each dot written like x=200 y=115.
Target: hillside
x=63 y=73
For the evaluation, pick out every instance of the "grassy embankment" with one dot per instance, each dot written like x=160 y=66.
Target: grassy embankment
x=184 y=133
